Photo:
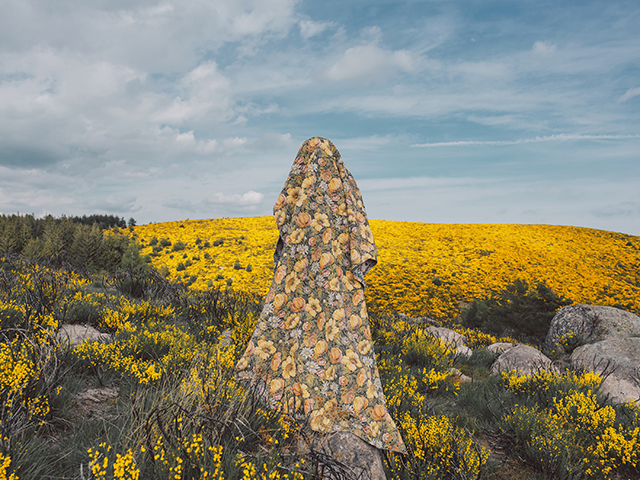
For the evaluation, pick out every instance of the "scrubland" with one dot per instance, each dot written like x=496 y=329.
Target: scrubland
x=179 y=414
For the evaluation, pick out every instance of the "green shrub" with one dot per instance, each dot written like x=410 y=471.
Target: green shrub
x=519 y=310
x=180 y=267
x=237 y=265
x=249 y=268
x=178 y=246
x=165 y=242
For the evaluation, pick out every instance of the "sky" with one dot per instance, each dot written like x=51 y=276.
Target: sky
x=449 y=111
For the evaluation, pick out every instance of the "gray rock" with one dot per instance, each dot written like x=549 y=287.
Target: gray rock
x=76 y=334
x=460 y=377
x=451 y=338
x=523 y=358
x=592 y=323
x=463 y=352
x=617 y=360
x=357 y=458
x=500 y=347
x=226 y=337
x=97 y=395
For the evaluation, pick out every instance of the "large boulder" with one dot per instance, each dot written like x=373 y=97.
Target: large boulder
x=76 y=334
x=448 y=336
x=617 y=360
x=592 y=323
x=355 y=458
x=500 y=347
x=523 y=358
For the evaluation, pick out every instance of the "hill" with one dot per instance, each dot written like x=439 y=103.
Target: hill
x=423 y=269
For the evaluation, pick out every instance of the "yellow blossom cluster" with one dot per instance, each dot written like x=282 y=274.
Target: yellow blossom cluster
x=102 y=466
x=446 y=451
x=574 y=426
x=423 y=269
x=5 y=465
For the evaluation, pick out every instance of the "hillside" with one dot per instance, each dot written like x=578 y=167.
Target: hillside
x=423 y=269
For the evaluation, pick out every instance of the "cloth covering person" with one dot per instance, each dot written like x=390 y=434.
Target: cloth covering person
x=312 y=350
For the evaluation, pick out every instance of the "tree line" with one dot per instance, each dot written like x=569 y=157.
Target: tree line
x=94 y=242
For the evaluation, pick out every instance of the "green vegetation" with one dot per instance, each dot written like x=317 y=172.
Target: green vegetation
x=174 y=410
x=518 y=311
x=95 y=243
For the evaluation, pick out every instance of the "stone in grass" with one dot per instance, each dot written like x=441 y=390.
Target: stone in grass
x=592 y=323
x=463 y=352
x=356 y=459
x=448 y=336
x=500 y=347
x=524 y=359
x=76 y=334
x=617 y=360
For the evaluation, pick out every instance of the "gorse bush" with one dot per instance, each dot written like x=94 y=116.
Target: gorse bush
x=179 y=412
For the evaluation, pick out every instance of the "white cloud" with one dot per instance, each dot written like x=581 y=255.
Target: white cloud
x=369 y=61
x=309 y=28
x=562 y=137
x=632 y=92
x=250 y=198
x=543 y=48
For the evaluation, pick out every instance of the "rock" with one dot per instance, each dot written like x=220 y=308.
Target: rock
x=500 y=347
x=226 y=337
x=76 y=334
x=416 y=320
x=459 y=376
x=97 y=395
x=95 y=403
x=357 y=458
x=451 y=338
x=592 y=323
x=523 y=358
x=617 y=360
x=463 y=351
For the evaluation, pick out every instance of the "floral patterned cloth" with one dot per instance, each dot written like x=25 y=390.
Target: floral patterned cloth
x=311 y=349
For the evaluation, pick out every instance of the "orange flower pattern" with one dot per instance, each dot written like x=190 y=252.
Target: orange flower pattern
x=311 y=350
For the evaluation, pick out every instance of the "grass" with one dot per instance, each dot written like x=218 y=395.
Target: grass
x=180 y=413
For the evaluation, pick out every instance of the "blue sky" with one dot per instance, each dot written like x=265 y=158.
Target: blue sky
x=446 y=112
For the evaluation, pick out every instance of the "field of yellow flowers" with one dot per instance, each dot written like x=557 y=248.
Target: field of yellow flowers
x=180 y=413
x=423 y=269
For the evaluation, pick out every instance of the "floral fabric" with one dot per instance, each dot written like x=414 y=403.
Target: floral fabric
x=311 y=349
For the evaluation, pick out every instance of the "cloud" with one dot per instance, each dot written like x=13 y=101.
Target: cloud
x=632 y=92
x=622 y=209
x=562 y=137
x=309 y=28
x=186 y=142
x=543 y=48
x=116 y=204
x=250 y=198
x=369 y=61
x=271 y=141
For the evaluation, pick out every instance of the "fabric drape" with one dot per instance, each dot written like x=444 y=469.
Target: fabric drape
x=311 y=349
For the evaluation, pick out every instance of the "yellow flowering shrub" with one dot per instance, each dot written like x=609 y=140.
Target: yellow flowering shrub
x=423 y=269
x=443 y=450
x=5 y=465
x=103 y=466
